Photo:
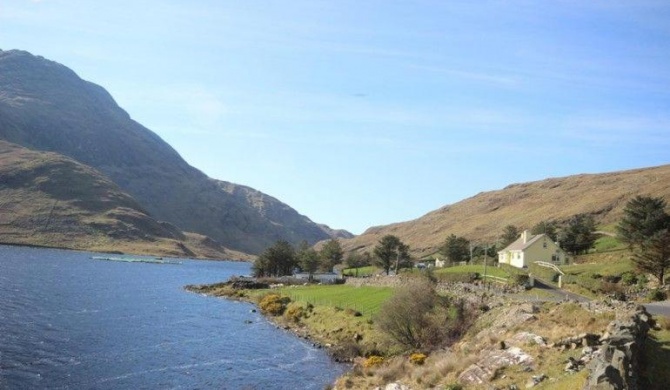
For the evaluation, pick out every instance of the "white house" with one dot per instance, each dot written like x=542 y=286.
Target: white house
x=528 y=249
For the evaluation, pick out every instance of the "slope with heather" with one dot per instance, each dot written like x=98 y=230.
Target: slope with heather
x=482 y=217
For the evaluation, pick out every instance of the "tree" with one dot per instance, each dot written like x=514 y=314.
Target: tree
x=331 y=254
x=654 y=255
x=308 y=259
x=509 y=235
x=643 y=217
x=455 y=248
x=550 y=228
x=390 y=252
x=356 y=260
x=578 y=236
x=277 y=260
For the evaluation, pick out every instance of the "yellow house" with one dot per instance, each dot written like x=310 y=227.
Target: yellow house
x=528 y=249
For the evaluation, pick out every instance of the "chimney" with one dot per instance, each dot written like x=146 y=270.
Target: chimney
x=525 y=236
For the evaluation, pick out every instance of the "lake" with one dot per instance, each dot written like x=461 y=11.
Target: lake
x=70 y=322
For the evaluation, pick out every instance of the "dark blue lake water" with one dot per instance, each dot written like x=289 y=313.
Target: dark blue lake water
x=70 y=322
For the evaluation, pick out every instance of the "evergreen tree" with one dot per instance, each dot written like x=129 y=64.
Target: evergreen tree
x=331 y=255
x=455 y=249
x=654 y=255
x=549 y=228
x=390 y=252
x=643 y=217
x=308 y=259
x=509 y=235
x=277 y=260
x=578 y=236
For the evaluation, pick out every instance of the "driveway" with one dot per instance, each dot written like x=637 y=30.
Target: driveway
x=659 y=308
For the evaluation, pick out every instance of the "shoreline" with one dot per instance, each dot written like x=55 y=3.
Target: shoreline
x=121 y=253
x=318 y=339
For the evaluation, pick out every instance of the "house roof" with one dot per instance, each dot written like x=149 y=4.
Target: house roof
x=519 y=245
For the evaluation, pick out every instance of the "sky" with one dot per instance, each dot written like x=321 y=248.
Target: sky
x=360 y=113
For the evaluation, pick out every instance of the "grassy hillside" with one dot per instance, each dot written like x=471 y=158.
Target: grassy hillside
x=47 y=199
x=482 y=217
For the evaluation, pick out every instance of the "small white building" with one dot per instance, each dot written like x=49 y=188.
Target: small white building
x=529 y=248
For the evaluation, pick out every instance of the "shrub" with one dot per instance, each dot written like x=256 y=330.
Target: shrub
x=642 y=281
x=274 y=304
x=417 y=358
x=664 y=323
x=294 y=312
x=346 y=351
x=590 y=282
x=373 y=361
x=416 y=317
x=657 y=295
x=628 y=278
x=519 y=280
x=353 y=312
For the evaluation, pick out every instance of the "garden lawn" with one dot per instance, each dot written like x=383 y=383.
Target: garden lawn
x=367 y=300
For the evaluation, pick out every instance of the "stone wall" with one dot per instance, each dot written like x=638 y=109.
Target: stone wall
x=617 y=365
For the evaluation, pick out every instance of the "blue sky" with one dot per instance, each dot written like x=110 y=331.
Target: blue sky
x=362 y=113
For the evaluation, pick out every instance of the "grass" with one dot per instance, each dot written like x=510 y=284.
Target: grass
x=656 y=363
x=365 y=299
x=607 y=243
x=614 y=268
x=490 y=270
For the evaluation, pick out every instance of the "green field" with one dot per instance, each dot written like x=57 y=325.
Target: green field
x=367 y=300
x=461 y=269
x=614 y=268
x=607 y=243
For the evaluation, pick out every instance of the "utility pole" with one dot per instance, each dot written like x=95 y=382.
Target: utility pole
x=486 y=258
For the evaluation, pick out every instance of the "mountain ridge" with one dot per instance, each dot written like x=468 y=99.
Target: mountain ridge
x=46 y=106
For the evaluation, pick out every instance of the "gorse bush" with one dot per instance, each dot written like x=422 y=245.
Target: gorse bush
x=294 y=312
x=273 y=304
x=373 y=361
x=417 y=358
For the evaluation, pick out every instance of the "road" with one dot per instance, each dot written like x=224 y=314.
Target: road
x=559 y=292
x=659 y=308
x=656 y=308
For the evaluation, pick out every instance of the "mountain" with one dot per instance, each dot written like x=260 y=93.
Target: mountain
x=51 y=200
x=482 y=217
x=46 y=106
